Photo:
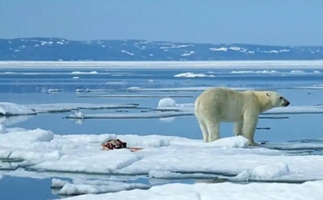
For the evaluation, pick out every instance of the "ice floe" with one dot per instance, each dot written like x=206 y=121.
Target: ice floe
x=311 y=190
x=79 y=72
x=80 y=186
x=11 y=109
x=192 y=75
x=264 y=172
x=42 y=150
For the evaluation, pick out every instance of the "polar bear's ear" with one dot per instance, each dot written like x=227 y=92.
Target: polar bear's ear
x=267 y=94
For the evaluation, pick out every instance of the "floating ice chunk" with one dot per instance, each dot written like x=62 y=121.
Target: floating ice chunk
x=23 y=138
x=58 y=183
x=297 y=71
x=167 y=102
x=264 y=172
x=192 y=75
x=79 y=72
x=54 y=90
x=254 y=72
x=12 y=109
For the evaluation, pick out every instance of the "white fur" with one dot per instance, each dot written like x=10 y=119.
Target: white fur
x=216 y=105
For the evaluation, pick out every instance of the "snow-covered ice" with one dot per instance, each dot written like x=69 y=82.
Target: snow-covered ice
x=45 y=151
x=80 y=186
x=11 y=109
x=312 y=190
x=264 y=172
x=192 y=75
x=79 y=72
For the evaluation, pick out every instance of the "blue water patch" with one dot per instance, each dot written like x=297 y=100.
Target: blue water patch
x=14 y=188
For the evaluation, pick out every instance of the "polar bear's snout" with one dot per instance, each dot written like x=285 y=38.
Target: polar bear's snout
x=285 y=102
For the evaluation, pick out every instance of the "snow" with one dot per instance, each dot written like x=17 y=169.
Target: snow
x=12 y=109
x=167 y=102
x=264 y=172
x=192 y=75
x=42 y=150
x=93 y=187
x=162 y=157
x=221 y=191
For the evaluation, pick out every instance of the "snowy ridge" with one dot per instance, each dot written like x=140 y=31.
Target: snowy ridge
x=58 y=49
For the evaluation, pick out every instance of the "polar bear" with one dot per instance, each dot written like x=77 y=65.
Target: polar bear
x=216 y=105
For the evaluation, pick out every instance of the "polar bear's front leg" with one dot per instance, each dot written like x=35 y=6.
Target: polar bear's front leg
x=250 y=121
x=238 y=128
x=213 y=130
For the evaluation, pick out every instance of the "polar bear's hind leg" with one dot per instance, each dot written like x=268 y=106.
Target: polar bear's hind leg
x=204 y=130
x=213 y=130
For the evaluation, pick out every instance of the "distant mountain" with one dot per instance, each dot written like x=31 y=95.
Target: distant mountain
x=54 y=49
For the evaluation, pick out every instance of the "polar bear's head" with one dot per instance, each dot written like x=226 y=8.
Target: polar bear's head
x=276 y=99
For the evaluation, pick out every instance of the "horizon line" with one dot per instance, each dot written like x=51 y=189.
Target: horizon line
x=160 y=41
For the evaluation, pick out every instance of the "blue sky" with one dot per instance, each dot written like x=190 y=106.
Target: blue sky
x=281 y=22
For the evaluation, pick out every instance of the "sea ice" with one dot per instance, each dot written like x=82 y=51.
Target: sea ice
x=92 y=187
x=311 y=190
x=192 y=75
x=42 y=150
